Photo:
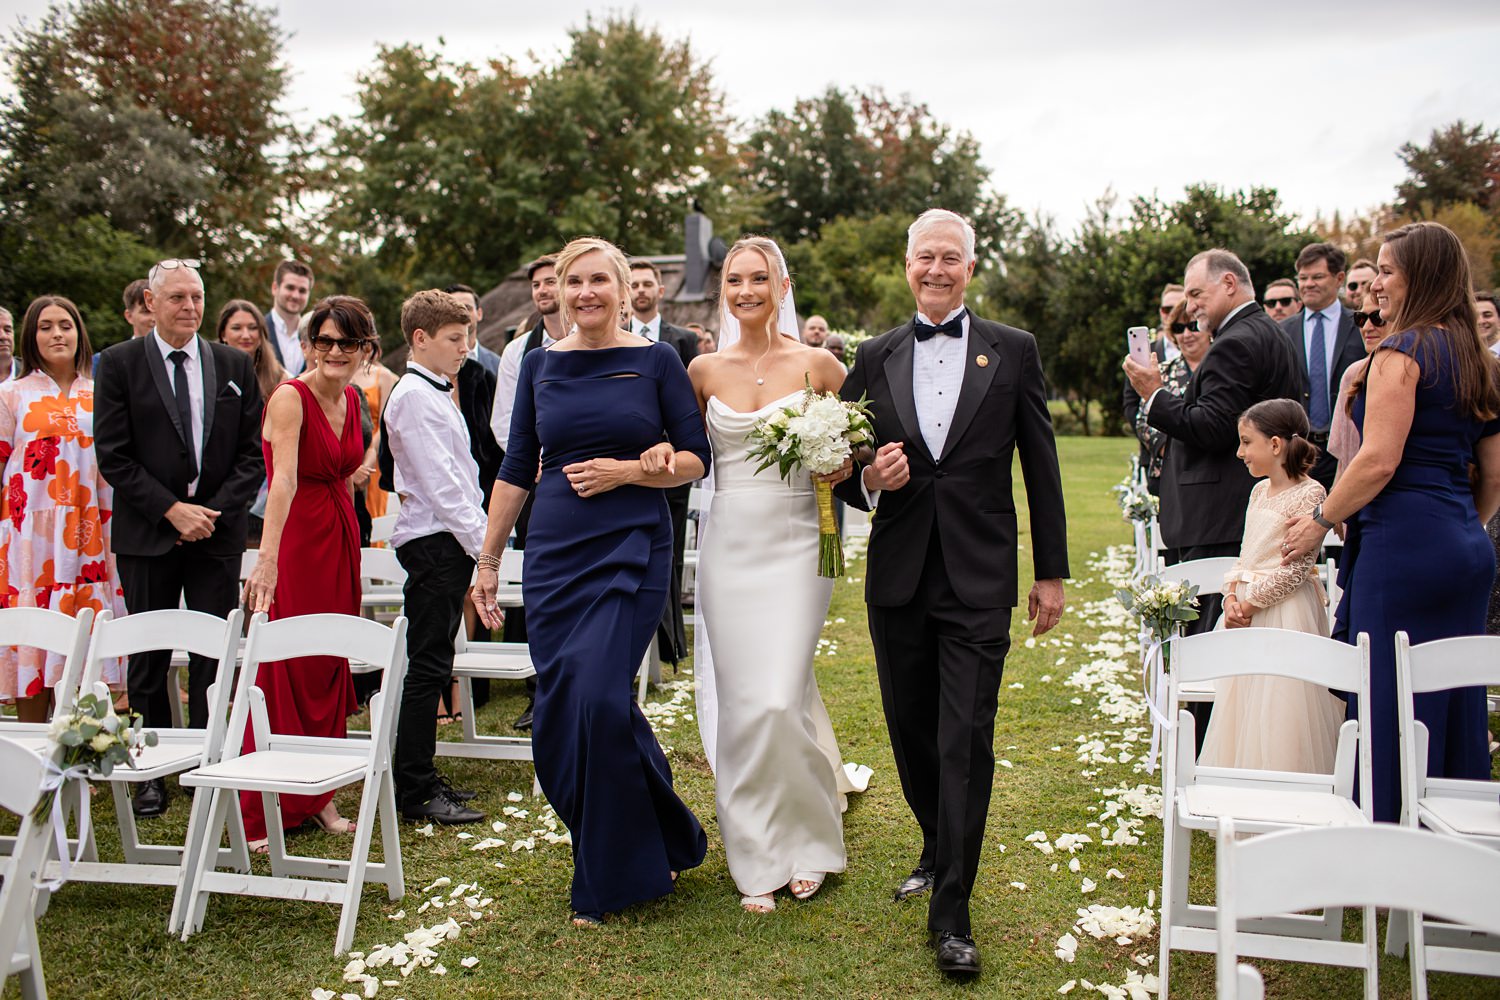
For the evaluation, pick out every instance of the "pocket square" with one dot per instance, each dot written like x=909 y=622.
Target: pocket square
x=235 y=387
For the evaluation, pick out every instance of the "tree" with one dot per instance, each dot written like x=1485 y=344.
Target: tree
x=1460 y=165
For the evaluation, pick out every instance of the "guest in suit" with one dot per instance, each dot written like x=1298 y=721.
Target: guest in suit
x=1205 y=489
x=290 y=289
x=646 y=291
x=1281 y=299
x=953 y=397
x=177 y=429
x=1361 y=273
x=1325 y=342
x=470 y=298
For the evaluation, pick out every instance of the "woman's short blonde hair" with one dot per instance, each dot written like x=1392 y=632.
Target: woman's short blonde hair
x=774 y=263
x=575 y=249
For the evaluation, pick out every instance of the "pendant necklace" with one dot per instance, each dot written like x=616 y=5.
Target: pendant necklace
x=755 y=368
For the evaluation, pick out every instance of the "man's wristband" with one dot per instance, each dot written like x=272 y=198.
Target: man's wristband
x=1317 y=515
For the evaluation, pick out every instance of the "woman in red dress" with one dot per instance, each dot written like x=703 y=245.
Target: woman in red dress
x=309 y=552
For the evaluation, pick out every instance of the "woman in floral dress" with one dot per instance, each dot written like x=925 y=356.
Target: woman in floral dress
x=55 y=507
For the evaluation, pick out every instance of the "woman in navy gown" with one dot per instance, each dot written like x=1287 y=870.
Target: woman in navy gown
x=1419 y=559
x=596 y=408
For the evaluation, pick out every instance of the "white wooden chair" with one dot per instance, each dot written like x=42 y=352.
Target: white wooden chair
x=1248 y=985
x=1199 y=798
x=176 y=751
x=1376 y=865
x=382 y=582
x=301 y=765
x=1208 y=576
x=22 y=772
x=500 y=661
x=1467 y=810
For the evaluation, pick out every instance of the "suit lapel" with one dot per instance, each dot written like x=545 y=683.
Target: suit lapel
x=210 y=385
x=158 y=369
x=977 y=379
x=1347 y=331
x=1299 y=345
x=898 y=371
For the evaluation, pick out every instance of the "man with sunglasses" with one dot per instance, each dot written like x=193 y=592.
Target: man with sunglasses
x=1281 y=299
x=1164 y=346
x=1361 y=273
x=177 y=428
x=1325 y=341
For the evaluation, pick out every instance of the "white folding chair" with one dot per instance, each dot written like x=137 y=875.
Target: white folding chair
x=1199 y=798
x=180 y=658
x=22 y=772
x=1208 y=576
x=382 y=580
x=301 y=765
x=496 y=661
x=177 y=750
x=1329 y=573
x=1377 y=865
x=1467 y=810
x=381 y=527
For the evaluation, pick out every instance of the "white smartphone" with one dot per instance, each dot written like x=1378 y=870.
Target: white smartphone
x=1138 y=340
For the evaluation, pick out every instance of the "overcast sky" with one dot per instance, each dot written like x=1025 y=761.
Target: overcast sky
x=1066 y=98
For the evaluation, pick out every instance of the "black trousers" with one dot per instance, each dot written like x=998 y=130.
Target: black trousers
x=940 y=664
x=1210 y=608
x=438 y=571
x=672 y=636
x=186 y=575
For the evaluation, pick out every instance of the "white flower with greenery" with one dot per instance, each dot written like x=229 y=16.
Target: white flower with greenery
x=1161 y=607
x=95 y=737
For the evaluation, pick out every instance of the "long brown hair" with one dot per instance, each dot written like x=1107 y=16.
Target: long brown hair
x=1440 y=303
x=268 y=371
x=31 y=355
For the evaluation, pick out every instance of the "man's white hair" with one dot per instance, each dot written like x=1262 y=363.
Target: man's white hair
x=934 y=218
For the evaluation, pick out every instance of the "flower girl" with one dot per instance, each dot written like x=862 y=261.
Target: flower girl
x=1259 y=721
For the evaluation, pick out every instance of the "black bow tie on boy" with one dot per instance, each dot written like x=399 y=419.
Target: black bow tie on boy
x=953 y=327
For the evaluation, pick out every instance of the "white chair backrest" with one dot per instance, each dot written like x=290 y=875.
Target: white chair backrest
x=512 y=562
x=1441 y=665
x=382 y=527
x=1376 y=865
x=54 y=632
x=380 y=566
x=1207 y=574
x=247 y=563
x=21 y=772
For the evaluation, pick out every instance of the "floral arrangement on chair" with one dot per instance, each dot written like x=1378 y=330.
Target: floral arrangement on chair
x=94 y=738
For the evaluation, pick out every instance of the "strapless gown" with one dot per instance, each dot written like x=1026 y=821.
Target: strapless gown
x=780 y=783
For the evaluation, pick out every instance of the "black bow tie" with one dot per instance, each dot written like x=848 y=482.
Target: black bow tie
x=953 y=328
x=440 y=386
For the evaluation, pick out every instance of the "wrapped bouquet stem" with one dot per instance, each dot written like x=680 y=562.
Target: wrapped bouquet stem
x=818 y=433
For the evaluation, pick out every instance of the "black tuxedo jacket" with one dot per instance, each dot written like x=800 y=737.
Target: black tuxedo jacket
x=144 y=453
x=1348 y=347
x=966 y=492
x=1205 y=488
x=476 y=399
x=686 y=341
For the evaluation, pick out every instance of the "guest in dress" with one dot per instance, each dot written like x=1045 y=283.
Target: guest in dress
x=1343 y=436
x=1260 y=721
x=594 y=409
x=1419 y=560
x=309 y=555
x=779 y=779
x=1176 y=372
x=242 y=327
x=55 y=506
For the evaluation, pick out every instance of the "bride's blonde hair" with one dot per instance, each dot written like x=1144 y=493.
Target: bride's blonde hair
x=774 y=263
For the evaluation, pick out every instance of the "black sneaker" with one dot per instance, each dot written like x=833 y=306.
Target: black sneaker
x=456 y=794
x=523 y=721
x=441 y=808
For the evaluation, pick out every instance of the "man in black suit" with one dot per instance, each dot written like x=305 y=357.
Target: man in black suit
x=953 y=398
x=646 y=292
x=1205 y=488
x=177 y=428
x=1325 y=342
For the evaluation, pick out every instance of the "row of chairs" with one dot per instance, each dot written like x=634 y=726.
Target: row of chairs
x=1252 y=802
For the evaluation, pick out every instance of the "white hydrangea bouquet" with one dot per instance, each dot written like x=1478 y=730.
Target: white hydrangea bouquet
x=817 y=433
x=1161 y=607
x=95 y=738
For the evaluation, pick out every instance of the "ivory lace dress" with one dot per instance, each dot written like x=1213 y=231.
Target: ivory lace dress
x=1260 y=721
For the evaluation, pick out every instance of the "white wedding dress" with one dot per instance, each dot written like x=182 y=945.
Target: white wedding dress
x=780 y=782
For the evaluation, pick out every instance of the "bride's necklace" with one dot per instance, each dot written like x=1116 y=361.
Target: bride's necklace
x=755 y=368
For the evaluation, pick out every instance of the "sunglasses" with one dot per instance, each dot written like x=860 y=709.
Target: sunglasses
x=1279 y=303
x=1355 y=286
x=1373 y=318
x=344 y=345
x=1185 y=327
x=1165 y=310
x=173 y=264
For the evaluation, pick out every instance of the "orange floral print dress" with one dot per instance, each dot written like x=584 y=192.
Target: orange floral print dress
x=54 y=521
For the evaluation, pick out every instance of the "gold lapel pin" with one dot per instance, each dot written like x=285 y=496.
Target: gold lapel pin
x=982 y=361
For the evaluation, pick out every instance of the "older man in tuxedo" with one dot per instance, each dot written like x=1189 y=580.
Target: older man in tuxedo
x=954 y=398
x=177 y=428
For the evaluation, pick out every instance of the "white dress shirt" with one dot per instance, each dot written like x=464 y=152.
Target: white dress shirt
x=194 y=371
x=1332 y=315
x=505 y=384
x=436 y=476
x=292 y=358
x=651 y=331
x=937 y=374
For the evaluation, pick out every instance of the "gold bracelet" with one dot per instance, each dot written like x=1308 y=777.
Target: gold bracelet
x=487 y=561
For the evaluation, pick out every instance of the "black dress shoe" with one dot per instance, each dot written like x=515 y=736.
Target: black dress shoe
x=441 y=808
x=150 y=798
x=957 y=954
x=918 y=882
x=456 y=794
x=523 y=721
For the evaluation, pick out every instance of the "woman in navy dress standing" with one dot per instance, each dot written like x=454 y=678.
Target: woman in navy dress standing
x=1419 y=559
x=613 y=420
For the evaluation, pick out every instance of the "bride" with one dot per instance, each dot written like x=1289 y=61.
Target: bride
x=780 y=785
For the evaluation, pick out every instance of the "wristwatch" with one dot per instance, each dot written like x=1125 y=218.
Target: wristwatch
x=1317 y=515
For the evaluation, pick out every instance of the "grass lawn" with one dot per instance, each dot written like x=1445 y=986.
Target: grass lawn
x=850 y=940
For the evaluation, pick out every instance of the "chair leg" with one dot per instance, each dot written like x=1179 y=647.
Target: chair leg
x=238 y=855
x=469 y=724
x=1168 y=912
x=208 y=847
x=390 y=838
x=1372 y=954
x=1417 y=946
x=191 y=848
x=359 y=858
x=33 y=983
x=1397 y=930
x=130 y=837
x=275 y=836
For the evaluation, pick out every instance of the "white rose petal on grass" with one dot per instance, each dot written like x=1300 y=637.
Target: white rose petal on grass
x=1067 y=987
x=1018 y=885
x=497 y=826
x=398 y=915
x=1006 y=763
x=1114 y=873
x=319 y=993
x=1074 y=866
x=1067 y=948
x=1017 y=686
x=469 y=962
x=425 y=831
x=513 y=797
x=1089 y=885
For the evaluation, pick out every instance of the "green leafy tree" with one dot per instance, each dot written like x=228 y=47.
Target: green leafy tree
x=1460 y=165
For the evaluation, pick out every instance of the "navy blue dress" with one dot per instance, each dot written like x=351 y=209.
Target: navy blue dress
x=1419 y=561
x=597 y=573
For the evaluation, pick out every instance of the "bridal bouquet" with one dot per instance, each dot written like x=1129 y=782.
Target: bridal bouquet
x=95 y=738
x=817 y=433
x=1161 y=607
